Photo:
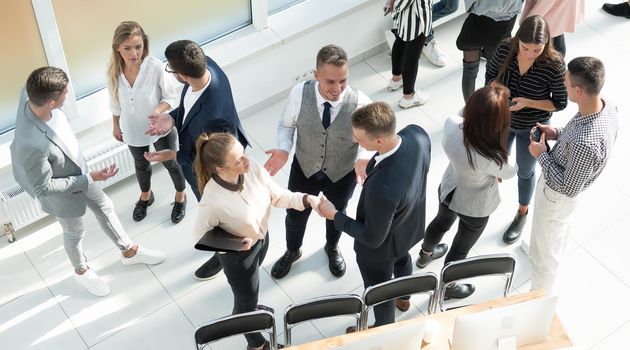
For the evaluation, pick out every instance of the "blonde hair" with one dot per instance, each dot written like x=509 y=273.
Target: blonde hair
x=124 y=31
x=211 y=151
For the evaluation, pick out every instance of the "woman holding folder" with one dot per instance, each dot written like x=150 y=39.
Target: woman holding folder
x=237 y=196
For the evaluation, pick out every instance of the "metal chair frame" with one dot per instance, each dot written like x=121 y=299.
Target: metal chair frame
x=248 y=322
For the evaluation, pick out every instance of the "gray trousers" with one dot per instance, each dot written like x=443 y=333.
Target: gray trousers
x=74 y=230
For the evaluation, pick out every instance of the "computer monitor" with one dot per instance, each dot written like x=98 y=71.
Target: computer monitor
x=505 y=328
x=407 y=337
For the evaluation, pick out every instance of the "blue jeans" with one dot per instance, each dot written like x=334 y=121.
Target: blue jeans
x=526 y=164
x=442 y=9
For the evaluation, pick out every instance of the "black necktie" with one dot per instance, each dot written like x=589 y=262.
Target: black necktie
x=326 y=115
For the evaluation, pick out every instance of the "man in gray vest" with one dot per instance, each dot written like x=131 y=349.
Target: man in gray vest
x=325 y=156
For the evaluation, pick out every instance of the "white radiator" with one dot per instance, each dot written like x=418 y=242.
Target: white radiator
x=23 y=210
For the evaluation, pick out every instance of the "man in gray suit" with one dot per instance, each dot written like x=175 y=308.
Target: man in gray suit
x=48 y=164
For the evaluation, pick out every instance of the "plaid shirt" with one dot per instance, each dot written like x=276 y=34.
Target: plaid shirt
x=583 y=148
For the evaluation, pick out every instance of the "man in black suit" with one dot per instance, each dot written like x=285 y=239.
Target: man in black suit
x=206 y=106
x=391 y=211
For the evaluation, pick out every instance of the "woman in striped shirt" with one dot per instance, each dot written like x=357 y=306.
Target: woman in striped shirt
x=533 y=72
x=412 y=22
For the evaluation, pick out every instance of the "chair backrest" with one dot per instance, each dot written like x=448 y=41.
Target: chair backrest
x=400 y=287
x=483 y=265
x=249 y=322
x=322 y=307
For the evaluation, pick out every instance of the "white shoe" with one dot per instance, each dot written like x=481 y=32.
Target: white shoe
x=394 y=85
x=433 y=53
x=419 y=98
x=525 y=246
x=92 y=283
x=144 y=256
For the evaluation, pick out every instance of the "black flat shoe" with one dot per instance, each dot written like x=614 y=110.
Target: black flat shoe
x=282 y=267
x=209 y=269
x=140 y=210
x=336 y=263
x=513 y=233
x=619 y=10
x=459 y=291
x=424 y=259
x=179 y=211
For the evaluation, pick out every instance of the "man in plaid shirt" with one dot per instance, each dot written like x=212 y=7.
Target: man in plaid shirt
x=582 y=150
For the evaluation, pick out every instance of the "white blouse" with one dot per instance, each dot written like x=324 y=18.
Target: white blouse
x=245 y=213
x=152 y=86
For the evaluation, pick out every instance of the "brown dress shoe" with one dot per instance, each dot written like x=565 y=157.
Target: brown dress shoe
x=402 y=305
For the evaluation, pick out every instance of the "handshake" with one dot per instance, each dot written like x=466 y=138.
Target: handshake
x=322 y=206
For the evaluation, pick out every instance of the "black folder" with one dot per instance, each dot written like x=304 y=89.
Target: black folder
x=219 y=240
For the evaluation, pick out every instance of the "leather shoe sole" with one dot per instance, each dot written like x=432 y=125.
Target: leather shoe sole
x=209 y=269
x=402 y=305
x=278 y=271
x=459 y=291
x=424 y=260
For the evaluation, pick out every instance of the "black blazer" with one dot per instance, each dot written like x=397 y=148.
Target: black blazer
x=391 y=210
x=214 y=111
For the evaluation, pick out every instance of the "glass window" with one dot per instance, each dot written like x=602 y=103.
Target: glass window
x=87 y=28
x=279 y=5
x=21 y=54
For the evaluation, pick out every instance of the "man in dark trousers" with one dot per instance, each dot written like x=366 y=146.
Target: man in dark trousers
x=206 y=106
x=391 y=211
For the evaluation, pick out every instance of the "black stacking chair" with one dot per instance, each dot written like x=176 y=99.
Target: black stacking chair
x=483 y=265
x=322 y=307
x=400 y=287
x=248 y=322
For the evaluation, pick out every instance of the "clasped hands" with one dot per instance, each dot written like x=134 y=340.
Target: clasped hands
x=322 y=206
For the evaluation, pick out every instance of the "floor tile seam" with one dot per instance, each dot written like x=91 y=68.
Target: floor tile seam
x=610 y=334
x=143 y=317
x=627 y=284
x=601 y=231
x=28 y=291
x=606 y=35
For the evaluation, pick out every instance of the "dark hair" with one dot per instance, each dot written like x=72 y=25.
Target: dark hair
x=375 y=118
x=186 y=57
x=331 y=54
x=533 y=30
x=486 y=124
x=211 y=151
x=587 y=73
x=45 y=84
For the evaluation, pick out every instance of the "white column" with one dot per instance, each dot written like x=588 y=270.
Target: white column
x=259 y=14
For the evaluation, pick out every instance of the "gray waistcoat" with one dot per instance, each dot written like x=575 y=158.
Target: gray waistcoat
x=332 y=149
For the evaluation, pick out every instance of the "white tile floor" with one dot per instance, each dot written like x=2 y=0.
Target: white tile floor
x=158 y=307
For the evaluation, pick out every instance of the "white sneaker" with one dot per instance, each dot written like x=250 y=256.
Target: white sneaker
x=92 y=283
x=394 y=85
x=433 y=53
x=144 y=256
x=525 y=246
x=419 y=98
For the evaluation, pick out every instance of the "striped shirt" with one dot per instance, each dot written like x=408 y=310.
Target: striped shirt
x=583 y=149
x=543 y=81
x=412 y=18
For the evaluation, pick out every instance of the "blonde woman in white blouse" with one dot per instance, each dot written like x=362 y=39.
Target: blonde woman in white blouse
x=139 y=86
x=237 y=195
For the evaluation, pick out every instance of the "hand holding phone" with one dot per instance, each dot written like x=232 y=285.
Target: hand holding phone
x=535 y=134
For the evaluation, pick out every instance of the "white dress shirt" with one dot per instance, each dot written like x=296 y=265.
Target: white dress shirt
x=60 y=125
x=288 y=121
x=153 y=85
x=192 y=96
x=380 y=157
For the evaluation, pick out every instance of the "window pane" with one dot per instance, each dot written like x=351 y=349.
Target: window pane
x=87 y=28
x=278 y=5
x=21 y=53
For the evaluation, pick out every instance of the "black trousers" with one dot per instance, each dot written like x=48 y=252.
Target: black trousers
x=405 y=56
x=338 y=193
x=143 y=166
x=375 y=272
x=468 y=232
x=241 y=270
